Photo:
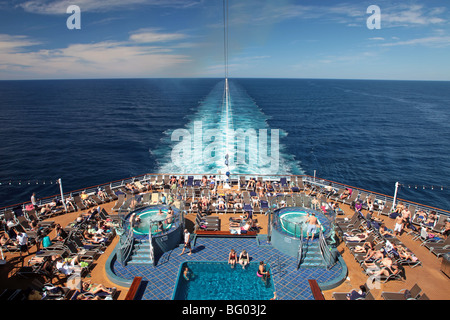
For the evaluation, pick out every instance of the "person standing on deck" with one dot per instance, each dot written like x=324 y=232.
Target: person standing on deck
x=187 y=242
x=33 y=201
x=312 y=225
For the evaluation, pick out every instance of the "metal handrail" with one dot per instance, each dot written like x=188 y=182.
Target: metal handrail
x=325 y=250
x=126 y=246
x=300 y=248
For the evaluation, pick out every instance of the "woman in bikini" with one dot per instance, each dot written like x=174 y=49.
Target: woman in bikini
x=232 y=258
x=265 y=275
x=244 y=259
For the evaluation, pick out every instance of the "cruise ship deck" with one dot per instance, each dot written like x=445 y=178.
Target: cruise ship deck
x=290 y=282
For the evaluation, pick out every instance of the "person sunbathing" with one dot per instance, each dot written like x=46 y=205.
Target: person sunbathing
x=368 y=245
x=345 y=194
x=385 y=232
x=373 y=256
x=387 y=271
x=405 y=254
x=357 y=237
x=87 y=286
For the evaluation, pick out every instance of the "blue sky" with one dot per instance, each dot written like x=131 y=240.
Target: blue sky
x=184 y=38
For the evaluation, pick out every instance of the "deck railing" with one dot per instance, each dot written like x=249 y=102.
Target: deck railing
x=381 y=198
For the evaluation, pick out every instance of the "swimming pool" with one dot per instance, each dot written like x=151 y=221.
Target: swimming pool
x=150 y=217
x=218 y=281
x=292 y=220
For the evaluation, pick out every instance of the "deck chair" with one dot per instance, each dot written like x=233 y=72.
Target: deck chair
x=146 y=198
x=10 y=217
x=441 y=244
x=289 y=202
x=401 y=275
x=369 y=296
x=154 y=198
x=96 y=199
x=24 y=223
x=424 y=237
x=422 y=296
x=88 y=252
x=80 y=205
x=440 y=252
x=403 y=294
x=126 y=204
x=336 y=197
x=343 y=295
x=208 y=225
x=440 y=223
x=139 y=185
x=352 y=197
x=190 y=181
x=386 y=209
x=119 y=203
x=293 y=185
x=110 y=193
x=41 y=223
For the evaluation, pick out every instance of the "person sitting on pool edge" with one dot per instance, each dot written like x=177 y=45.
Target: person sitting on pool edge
x=244 y=259
x=232 y=258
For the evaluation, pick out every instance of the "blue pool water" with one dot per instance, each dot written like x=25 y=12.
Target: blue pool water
x=218 y=281
x=150 y=217
x=294 y=221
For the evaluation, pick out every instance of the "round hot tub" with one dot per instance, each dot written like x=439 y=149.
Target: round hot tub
x=289 y=226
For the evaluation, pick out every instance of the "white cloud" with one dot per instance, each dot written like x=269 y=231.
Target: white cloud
x=152 y=35
x=93 y=60
x=60 y=6
x=435 y=41
x=411 y=15
x=12 y=44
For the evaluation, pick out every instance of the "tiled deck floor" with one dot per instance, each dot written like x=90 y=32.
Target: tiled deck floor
x=290 y=283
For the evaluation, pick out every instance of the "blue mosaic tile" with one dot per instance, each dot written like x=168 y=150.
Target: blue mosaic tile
x=290 y=283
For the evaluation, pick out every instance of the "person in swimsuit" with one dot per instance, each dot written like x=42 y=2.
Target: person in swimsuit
x=244 y=259
x=312 y=225
x=232 y=258
x=187 y=273
x=265 y=275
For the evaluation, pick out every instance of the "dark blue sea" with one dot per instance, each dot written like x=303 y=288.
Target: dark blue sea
x=364 y=133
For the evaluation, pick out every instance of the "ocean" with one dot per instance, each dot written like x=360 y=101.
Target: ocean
x=365 y=133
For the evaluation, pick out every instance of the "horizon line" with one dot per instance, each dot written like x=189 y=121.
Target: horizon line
x=275 y=78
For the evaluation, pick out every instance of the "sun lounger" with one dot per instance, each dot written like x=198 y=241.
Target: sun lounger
x=110 y=193
x=119 y=203
x=344 y=295
x=155 y=198
x=403 y=294
x=440 y=223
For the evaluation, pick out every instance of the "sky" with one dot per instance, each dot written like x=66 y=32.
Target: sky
x=185 y=38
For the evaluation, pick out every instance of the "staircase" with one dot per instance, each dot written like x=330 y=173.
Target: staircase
x=311 y=256
x=141 y=253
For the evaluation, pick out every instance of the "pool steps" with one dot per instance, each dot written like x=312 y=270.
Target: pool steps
x=140 y=254
x=312 y=257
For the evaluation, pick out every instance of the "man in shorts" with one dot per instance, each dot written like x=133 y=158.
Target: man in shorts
x=22 y=242
x=187 y=242
x=398 y=225
x=312 y=225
